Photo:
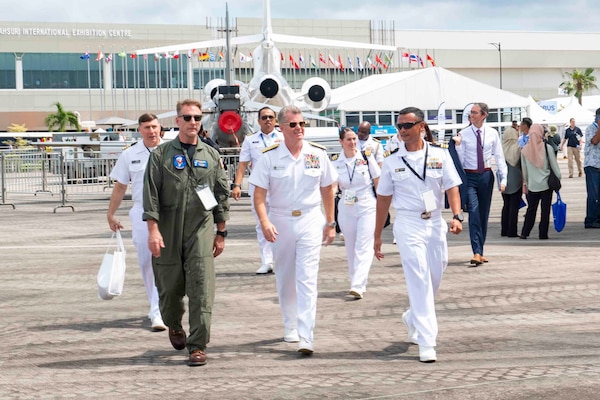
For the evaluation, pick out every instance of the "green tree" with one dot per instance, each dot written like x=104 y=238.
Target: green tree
x=61 y=118
x=579 y=82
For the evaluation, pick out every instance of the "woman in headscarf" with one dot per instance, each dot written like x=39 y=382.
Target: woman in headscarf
x=536 y=168
x=514 y=184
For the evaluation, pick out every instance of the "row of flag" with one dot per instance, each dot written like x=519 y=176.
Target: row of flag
x=328 y=61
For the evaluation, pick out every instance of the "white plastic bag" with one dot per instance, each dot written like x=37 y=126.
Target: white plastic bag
x=111 y=274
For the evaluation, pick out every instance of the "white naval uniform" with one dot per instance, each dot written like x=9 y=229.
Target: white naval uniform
x=130 y=168
x=374 y=146
x=421 y=242
x=251 y=151
x=356 y=214
x=295 y=196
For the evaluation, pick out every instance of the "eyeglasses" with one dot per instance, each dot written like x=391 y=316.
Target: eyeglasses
x=293 y=124
x=407 y=125
x=188 y=118
x=266 y=117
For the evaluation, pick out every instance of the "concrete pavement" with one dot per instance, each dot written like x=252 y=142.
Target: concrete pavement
x=523 y=326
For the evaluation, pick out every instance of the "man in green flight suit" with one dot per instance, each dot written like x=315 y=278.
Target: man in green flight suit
x=185 y=194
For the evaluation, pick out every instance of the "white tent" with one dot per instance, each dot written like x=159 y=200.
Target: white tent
x=583 y=116
x=425 y=88
x=537 y=113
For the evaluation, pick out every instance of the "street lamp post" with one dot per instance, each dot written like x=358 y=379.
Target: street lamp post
x=499 y=47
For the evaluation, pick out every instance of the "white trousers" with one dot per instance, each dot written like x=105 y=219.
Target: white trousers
x=357 y=223
x=424 y=252
x=140 y=240
x=296 y=254
x=264 y=246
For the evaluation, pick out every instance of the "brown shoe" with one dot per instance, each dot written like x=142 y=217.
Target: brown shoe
x=177 y=339
x=476 y=260
x=580 y=174
x=483 y=259
x=197 y=358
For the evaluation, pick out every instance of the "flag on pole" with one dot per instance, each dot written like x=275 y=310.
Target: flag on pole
x=413 y=58
x=405 y=57
x=431 y=60
x=122 y=54
x=302 y=62
x=359 y=63
x=157 y=57
x=421 y=62
x=176 y=54
x=85 y=56
x=221 y=56
x=388 y=59
x=350 y=64
x=322 y=59
x=380 y=62
x=108 y=58
x=100 y=56
x=133 y=55
x=293 y=62
x=203 y=56
x=312 y=61
x=340 y=65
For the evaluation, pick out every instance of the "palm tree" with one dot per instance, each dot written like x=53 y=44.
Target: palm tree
x=61 y=118
x=579 y=82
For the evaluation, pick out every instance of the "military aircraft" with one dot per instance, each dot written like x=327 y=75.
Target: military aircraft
x=230 y=104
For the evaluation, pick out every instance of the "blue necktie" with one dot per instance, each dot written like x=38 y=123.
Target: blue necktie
x=480 y=166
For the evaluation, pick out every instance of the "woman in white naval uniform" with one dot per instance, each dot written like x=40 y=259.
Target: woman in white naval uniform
x=414 y=178
x=356 y=210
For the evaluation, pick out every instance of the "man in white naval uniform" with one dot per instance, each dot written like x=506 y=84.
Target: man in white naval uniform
x=297 y=176
x=366 y=142
x=251 y=151
x=414 y=177
x=130 y=168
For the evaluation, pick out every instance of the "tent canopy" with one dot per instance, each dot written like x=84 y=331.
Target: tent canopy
x=424 y=88
x=115 y=121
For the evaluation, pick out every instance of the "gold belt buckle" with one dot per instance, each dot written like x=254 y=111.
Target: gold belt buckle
x=296 y=213
x=426 y=215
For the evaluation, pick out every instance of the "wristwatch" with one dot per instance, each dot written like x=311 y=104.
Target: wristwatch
x=222 y=233
x=332 y=224
x=234 y=185
x=459 y=217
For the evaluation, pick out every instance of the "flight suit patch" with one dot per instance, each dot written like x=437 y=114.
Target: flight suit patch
x=201 y=163
x=179 y=161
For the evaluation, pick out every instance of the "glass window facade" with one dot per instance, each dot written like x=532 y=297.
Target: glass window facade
x=7 y=71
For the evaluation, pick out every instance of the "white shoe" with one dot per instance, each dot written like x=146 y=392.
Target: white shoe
x=342 y=237
x=305 y=347
x=394 y=241
x=291 y=336
x=413 y=335
x=357 y=293
x=265 y=269
x=158 y=325
x=427 y=354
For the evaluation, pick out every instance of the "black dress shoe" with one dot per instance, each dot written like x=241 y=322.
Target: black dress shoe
x=177 y=338
x=522 y=237
x=543 y=237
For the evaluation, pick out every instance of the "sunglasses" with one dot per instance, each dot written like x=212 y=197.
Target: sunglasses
x=188 y=118
x=407 y=125
x=293 y=124
x=266 y=117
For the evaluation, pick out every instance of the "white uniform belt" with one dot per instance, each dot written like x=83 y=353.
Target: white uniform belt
x=418 y=214
x=292 y=212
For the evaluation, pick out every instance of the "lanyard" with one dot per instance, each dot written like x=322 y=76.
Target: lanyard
x=424 y=165
x=353 y=170
x=262 y=137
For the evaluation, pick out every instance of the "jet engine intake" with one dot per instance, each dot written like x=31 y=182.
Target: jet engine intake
x=316 y=93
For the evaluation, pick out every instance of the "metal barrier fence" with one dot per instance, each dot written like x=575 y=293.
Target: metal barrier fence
x=35 y=172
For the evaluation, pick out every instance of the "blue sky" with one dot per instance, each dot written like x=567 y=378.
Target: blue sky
x=551 y=15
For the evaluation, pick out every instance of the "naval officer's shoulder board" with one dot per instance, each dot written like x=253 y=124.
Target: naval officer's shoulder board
x=272 y=147
x=318 y=146
x=334 y=157
x=440 y=145
x=129 y=145
x=389 y=153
